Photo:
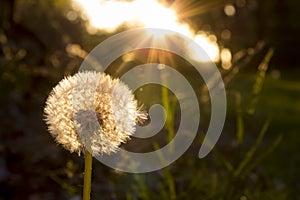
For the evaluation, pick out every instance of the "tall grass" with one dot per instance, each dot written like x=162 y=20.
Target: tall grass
x=222 y=175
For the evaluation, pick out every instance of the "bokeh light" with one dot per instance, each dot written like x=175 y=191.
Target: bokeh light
x=229 y=10
x=226 y=58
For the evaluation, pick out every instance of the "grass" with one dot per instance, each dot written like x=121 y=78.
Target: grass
x=256 y=156
x=279 y=101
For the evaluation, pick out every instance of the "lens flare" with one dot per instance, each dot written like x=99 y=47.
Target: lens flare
x=110 y=15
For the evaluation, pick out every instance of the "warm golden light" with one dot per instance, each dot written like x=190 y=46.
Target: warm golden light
x=226 y=58
x=229 y=10
x=109 y=15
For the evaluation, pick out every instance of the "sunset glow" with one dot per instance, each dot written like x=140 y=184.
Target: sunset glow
x=110 y=15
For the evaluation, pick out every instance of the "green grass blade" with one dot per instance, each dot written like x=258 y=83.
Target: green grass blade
x=263 y=155
x=170 y=112
x=239 y=119
x=169 y=180
x=262 y=69
x=252 y=150
x=142 y=190
x=224 y=160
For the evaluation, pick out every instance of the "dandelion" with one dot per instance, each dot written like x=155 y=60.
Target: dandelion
x=92 y=113
x=91 y=109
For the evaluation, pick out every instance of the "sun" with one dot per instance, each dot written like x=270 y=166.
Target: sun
x=109 y=15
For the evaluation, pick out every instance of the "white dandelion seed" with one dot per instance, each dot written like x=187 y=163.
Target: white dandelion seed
x=92 y=111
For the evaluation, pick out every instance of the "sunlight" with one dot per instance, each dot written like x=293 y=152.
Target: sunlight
x=209 y=44
x=226 y=58
x=109 y=15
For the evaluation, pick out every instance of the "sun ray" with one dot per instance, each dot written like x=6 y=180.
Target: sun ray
x=188 y=9
x=109 y=15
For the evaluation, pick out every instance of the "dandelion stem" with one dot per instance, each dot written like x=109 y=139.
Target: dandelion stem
x=87 y=175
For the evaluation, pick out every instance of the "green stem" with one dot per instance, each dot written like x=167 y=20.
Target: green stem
x=87 y=175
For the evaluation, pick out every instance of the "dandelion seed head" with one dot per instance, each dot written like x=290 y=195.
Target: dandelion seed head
x=92 y=111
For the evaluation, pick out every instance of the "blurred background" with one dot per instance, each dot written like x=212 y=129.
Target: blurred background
x=254 y=44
